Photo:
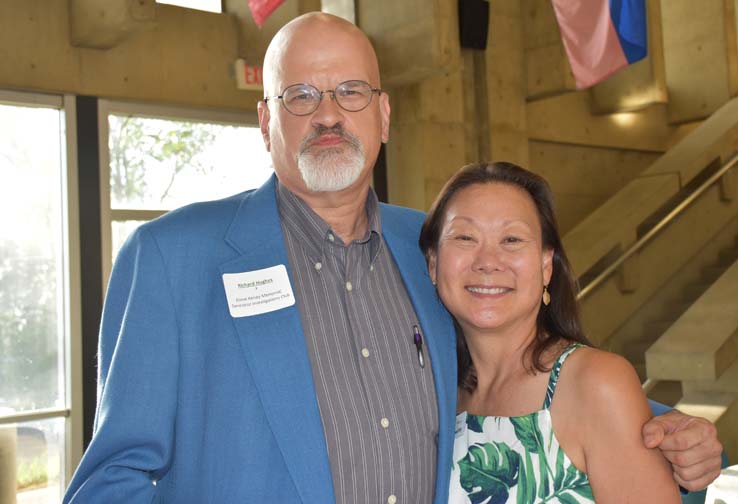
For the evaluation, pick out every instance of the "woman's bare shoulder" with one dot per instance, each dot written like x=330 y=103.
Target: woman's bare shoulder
x=600 y=378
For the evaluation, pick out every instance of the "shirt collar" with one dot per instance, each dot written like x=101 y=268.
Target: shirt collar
x=314 y=233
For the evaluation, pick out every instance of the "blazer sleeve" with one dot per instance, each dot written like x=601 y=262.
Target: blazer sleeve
x=137 y=382
x=658 y=409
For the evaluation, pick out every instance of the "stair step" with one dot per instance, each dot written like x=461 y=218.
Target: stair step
x=727 y=257
x=704 y=343
x=666 y=392
x=674 y=310
x=712 y=273
x=695 y=290
x=635 y=351
x=653 y=330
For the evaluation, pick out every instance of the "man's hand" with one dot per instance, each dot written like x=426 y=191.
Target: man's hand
x=690 y=444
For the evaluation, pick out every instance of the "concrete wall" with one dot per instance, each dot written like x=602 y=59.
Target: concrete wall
x=700 y=56
x=427 y=138
x=516 y=101
x=582 y=176
x=472 y=110
x=181 y=56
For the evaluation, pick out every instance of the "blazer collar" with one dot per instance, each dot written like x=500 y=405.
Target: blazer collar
x=275 y=352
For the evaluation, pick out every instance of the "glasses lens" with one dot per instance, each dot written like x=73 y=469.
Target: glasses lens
x=353 y=95
x=301 y=99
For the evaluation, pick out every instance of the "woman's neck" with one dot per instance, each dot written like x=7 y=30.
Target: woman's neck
x=497 y=355
x=507 y=383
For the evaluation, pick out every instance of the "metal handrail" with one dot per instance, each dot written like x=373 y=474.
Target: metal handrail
x=599 y=279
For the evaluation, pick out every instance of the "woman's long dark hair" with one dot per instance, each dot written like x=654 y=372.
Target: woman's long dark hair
x=560 y=319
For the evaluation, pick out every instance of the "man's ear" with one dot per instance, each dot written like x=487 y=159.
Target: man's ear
x=384 y=111
x=263 y=110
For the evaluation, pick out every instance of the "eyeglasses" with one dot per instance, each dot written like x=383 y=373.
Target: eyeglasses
x=304 y=99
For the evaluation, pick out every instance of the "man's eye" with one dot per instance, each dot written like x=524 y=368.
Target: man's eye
x=512 y=239
x=350 y=94
x=463 y=237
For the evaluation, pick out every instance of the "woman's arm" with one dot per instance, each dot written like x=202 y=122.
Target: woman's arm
x=605 y=403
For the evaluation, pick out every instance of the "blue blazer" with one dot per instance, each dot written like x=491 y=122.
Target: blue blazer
x=195 y=406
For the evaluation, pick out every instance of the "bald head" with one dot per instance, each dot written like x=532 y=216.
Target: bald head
x=307 y=37
x=327 y=154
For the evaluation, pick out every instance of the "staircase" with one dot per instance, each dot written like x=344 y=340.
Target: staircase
x=665 y=308
x=658 y=258
x=700 y=349
x=650 y=244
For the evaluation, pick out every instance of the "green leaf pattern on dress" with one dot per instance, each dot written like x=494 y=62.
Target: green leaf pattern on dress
x=488 y=471
x=474 y=422
x=518 y=460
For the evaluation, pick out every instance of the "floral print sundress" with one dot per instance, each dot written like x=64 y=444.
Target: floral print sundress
x=515 y=459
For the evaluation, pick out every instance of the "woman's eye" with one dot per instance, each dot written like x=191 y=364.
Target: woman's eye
x=463 y=237
x=512 y=239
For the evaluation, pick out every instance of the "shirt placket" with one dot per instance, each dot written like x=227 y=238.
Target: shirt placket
x=374 y=380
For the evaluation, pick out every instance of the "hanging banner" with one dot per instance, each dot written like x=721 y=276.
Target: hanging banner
x=262 y=9
x=601 y=36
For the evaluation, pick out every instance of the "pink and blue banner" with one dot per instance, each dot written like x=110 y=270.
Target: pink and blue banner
x=601 y=36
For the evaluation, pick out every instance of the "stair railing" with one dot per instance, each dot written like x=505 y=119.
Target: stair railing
x=640 y=243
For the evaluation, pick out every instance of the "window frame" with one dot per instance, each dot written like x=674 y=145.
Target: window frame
x=201 y=8
x=168 y=112
x=71 y=288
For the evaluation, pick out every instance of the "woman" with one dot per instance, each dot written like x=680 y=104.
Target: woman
x=543 y=417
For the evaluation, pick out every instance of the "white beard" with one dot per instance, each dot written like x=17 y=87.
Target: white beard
x=331 y=170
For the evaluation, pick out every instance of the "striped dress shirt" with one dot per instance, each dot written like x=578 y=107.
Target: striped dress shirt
x=377 y=404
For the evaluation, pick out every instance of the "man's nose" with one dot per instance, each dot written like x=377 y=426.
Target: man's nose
x=328 y=113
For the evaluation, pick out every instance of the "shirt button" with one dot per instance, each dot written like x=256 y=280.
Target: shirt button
x=392 y=499
x=365 y=352
x=331 y=237
x=371 y=267
x=349 y=287
x=384 y=423
x=318 y=266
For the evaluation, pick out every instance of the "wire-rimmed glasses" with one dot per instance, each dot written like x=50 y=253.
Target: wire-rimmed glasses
x=304 y=99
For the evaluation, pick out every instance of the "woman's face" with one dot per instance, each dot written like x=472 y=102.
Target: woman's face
x=490 y=266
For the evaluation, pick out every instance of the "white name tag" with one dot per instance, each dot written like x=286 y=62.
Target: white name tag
x=256 y=292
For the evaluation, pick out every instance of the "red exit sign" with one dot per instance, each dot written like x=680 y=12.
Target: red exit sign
x=248 y=76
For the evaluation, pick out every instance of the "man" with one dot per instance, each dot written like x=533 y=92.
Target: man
x=286 y=345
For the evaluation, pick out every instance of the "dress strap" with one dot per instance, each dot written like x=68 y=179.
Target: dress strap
x=555 y=370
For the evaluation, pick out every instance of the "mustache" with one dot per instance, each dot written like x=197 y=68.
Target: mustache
x=337 y=130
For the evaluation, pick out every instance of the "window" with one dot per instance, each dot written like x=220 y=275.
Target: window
x=203 y=5
x=342 y=8
x=40 y=424
x=158 y=159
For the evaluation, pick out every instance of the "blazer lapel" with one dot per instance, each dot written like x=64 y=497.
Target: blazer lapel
x=438 y=330
x=275 y=351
